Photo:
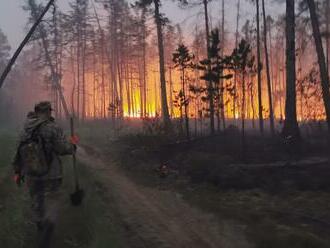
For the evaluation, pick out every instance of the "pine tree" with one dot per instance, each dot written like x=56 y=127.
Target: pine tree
x=183 y=59
x=242 y=63
x=212 y=69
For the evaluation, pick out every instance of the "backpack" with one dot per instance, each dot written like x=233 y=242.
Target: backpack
x=33 y=154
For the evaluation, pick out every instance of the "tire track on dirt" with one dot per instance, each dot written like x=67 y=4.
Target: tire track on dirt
x=154 y=218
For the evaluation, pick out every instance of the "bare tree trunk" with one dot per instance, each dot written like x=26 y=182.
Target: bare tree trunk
x=83 y=115
x=235 y=98
x=56 y=102
x=38 y=20
x=290 y=124
x=165 y=113
x=321 y=60
x=327 y=11
x=156 y=95
x=73 y=81
x=94 y=80
x=269 y=84
x=222 y=89
x=171 y=91
x=260 y=107
x=78 y=77
x=128 y=93
x=120 y=82
x=141 y=86
x=186 y=110
x=210 y=84
x=144 y=81
x=252 y=104
x=103 y=84
x=282 y=84
x=243 y=116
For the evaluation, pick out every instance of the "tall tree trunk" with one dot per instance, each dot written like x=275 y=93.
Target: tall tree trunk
x=269 y=84
x=260 y=107
x=156 y=95
x=121 y=87
x=171 y=91
x=165 y=113
x=210 y=84
x=290 y=123
x=222 y=88
x=56 y=102
x=327 y=19
x=321 y=60
x=142 y=66
x=252 y=103
x=94 y=80
x=73 y=81
x=144 y=78
x=103 y=84
x=282 y=83
x=243 y=115
x=186 y=110
x=78 y=77
x=235 y=98
x=128 y=90
x=141 y=86
x=83 y=115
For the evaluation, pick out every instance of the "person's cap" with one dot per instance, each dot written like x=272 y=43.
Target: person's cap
x=43 y=106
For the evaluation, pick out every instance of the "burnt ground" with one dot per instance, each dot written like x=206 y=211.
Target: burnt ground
x=212 y=196
x=266 y=199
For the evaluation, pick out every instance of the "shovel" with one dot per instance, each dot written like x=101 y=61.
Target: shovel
x=77 y=196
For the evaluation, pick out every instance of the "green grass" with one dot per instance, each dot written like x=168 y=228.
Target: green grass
x=93 y=225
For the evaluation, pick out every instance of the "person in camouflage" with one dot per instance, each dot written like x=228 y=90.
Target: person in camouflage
x=45 y=191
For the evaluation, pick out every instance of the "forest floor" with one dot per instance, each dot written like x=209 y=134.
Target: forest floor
x=157 y=218
x=127 y=204
x=269 y=202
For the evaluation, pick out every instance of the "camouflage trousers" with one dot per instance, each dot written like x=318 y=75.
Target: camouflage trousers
x=46 y=196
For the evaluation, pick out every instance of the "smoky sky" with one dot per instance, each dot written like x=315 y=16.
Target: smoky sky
x=13 y=18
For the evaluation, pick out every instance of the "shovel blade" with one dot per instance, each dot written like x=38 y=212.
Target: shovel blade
x=77 y=197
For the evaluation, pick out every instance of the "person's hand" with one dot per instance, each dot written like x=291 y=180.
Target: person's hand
x=74 y=140
x=18 y=179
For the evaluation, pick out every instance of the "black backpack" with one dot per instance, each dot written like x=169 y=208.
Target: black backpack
x=32 y=154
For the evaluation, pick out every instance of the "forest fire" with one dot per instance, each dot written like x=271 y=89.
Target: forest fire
x=111 y=70
x=190 y=123
x=121 y=75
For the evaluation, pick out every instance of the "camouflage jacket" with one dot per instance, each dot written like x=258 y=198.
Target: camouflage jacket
x=55 y=144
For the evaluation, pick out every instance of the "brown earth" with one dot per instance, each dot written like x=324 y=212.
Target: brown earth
x=151 y=217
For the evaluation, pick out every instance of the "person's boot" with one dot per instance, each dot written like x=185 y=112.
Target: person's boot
x=46 y=234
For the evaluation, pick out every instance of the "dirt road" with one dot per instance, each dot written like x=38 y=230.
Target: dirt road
x=155 y=218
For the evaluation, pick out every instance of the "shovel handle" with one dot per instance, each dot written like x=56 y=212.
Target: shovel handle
x=74 y=159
